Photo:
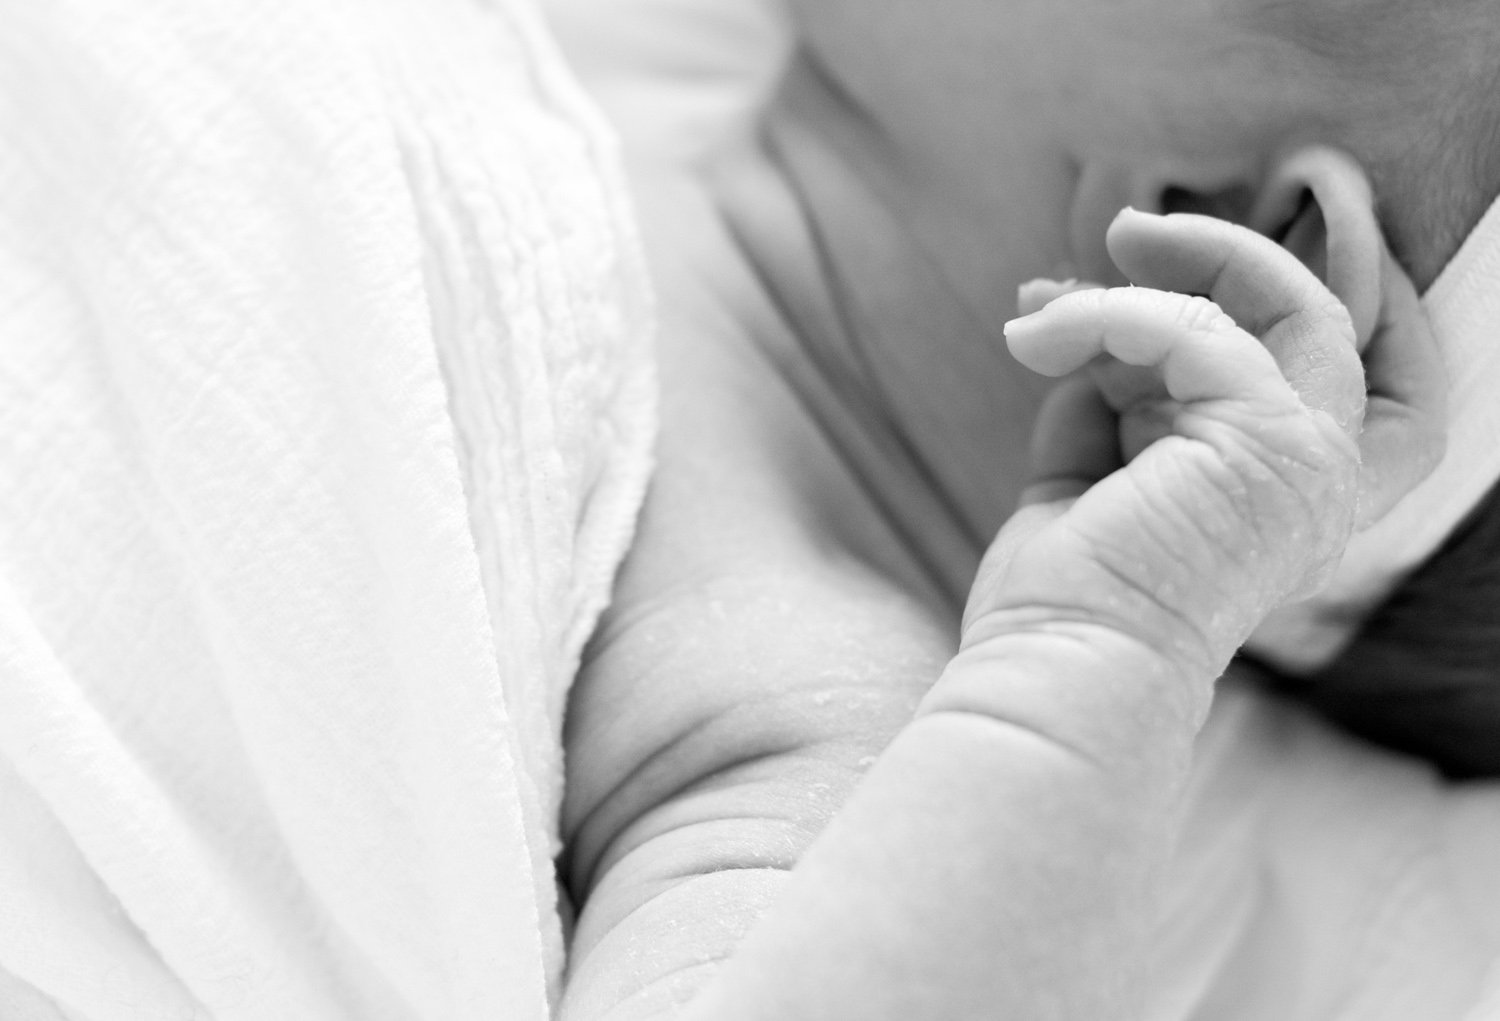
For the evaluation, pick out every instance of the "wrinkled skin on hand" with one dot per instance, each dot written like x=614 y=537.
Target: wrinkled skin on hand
x=1211 y=465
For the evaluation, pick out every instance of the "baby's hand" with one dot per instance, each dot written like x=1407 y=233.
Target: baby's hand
x=1241 y=440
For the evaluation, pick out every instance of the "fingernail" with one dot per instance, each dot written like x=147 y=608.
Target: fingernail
x=1035 y=294
x=1053 y=490
x=1021 y=324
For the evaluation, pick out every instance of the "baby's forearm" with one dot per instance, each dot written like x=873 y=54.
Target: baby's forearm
x=995 y=862
x=984 y=868
x=710 y=742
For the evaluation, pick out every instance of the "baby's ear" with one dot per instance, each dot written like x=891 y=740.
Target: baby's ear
x=1317 y=202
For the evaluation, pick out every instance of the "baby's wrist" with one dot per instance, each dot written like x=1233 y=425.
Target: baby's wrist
x=1102 y=693
x=1073 y=580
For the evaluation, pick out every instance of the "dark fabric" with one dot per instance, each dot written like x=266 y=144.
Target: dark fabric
x=1423 y=675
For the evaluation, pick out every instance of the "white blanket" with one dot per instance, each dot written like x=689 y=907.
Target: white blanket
x=324 y=415
x=1317 y=879
x=1320 y=879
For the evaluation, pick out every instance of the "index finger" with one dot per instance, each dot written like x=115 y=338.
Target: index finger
x=1201 y=353
x=1265 y=288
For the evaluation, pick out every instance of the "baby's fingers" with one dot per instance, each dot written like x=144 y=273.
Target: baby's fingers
x=1034 y=295
x=1075 y=442
x=1200 y=352
x=1264 y=287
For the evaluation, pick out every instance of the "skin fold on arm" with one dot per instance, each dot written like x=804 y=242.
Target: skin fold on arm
x=768 y=638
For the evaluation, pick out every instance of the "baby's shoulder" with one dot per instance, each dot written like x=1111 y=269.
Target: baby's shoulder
x=752 y=466
x=765 y=600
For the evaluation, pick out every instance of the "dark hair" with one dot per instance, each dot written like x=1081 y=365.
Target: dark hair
x=1423 y=674
x=1420 y=81
x=1431 y=194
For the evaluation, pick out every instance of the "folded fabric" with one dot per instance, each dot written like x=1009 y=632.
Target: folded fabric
x=325 y=410
x=1320 y=878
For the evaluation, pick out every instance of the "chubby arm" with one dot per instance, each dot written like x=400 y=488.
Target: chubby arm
x=998 y=858
x=766 y=641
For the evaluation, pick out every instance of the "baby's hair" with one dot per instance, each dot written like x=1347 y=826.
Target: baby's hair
x=1432 y=191
x=1419 y=84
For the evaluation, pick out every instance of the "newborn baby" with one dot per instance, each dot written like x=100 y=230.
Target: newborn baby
x=844 y=433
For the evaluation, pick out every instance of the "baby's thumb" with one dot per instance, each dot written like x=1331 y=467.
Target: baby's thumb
x=1042 y=505
x=1076 y=443
x=1034 y=295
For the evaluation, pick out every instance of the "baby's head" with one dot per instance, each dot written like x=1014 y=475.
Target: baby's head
x=1157 y=103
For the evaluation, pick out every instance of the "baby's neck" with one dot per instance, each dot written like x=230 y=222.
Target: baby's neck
x=897 y=349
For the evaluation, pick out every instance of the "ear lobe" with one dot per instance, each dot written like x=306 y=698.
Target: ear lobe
x=1319 y=205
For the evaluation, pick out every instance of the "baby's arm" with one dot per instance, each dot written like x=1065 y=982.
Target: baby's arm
x=995 y=860
x=763 y=647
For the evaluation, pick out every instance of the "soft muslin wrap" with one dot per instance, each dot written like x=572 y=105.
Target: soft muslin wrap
x=325 y=412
